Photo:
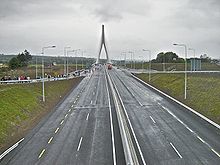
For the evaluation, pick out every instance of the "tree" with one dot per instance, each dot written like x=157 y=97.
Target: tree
x=168 y=57
x=20 y=60
x=14 y=63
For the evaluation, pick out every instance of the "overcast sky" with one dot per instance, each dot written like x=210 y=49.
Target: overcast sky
x=130 y=25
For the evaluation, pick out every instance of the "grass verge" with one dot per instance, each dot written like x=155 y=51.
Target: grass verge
x=21 y=107
x=203 y=91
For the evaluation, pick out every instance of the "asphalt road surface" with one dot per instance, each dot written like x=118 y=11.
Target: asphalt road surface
x=167 y=133
x=79 y=131
x=83 y=129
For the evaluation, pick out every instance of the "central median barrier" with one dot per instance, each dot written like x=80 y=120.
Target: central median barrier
x=132 y=152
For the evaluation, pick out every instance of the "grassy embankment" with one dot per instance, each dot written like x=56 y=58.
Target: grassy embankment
x=21 y=107
x=203 y=92
x=30 y=71
x=174 y=66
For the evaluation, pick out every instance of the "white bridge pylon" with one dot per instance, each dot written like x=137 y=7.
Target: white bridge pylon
x=103 y=44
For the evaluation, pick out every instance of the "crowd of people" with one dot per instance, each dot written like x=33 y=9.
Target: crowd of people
x=8 y=78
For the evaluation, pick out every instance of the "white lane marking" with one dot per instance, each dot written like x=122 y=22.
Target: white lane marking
x=140 y=103
x=42 y=152
x=190 y=109
x=49 y=141
x=91 y=102
x=132 y=130
x=153 y=120
x=10 y=149
x=189 y=129
x=72 y=105
x=87 y=117
x=215 y=152
x=176 y=150
x=61 y=122
x=69 y=110
x=111 y=125
x=66 y=115
x=57 y=130
x=74 y=102
x=80 y=142
x=200 y=139
x=93 y=93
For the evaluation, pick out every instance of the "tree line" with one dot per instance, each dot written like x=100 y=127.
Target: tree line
x=21 y=60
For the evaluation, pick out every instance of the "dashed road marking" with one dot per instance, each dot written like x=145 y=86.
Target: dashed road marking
x=215 y=152
x=42 y=152
x=200 y=139
x=91 y=102
x=66 y=115
x=73 y=105
x=49 y=141
x=87 y=117
x=57 y=130
x=176 y=150
x=153 y=120
x=69 y=110
x=80 y=142
x=61 y=122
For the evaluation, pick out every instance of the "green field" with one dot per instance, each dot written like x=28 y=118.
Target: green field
x=21 y=106
x=203 y=91
x=174 y=66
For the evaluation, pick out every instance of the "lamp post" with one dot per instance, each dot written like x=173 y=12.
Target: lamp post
x=43 y=91
x=194 y=55
x=67 y=68
x=185 y=47
x=131 y=58
x=36 y=66
x=149 y=67
x=142 y=63
x=76 y=57
x=124 y=58
x=65 y=59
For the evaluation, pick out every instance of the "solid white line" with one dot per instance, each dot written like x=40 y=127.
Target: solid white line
x=49 y=141
x=111 y=125
x=215 y=152
x=153 y=120
x=42 y=152
x=176 y=150
x=132 y=130
x=187 y=107
x=57 y=130
x=10 y=149
x=79 y=145
x=87 y=117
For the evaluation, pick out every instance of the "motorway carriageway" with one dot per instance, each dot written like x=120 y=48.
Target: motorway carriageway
x=83 y=129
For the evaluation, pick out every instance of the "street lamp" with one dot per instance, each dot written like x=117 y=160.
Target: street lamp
x=76 y=57
x=131 y=58
x=67 y=68
x=65 y=59
x=185 y=47
x=142 y=63
x=36 y=66
x=149 y=68
x=43 y=91
x=194 y=54
x=124 y=58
